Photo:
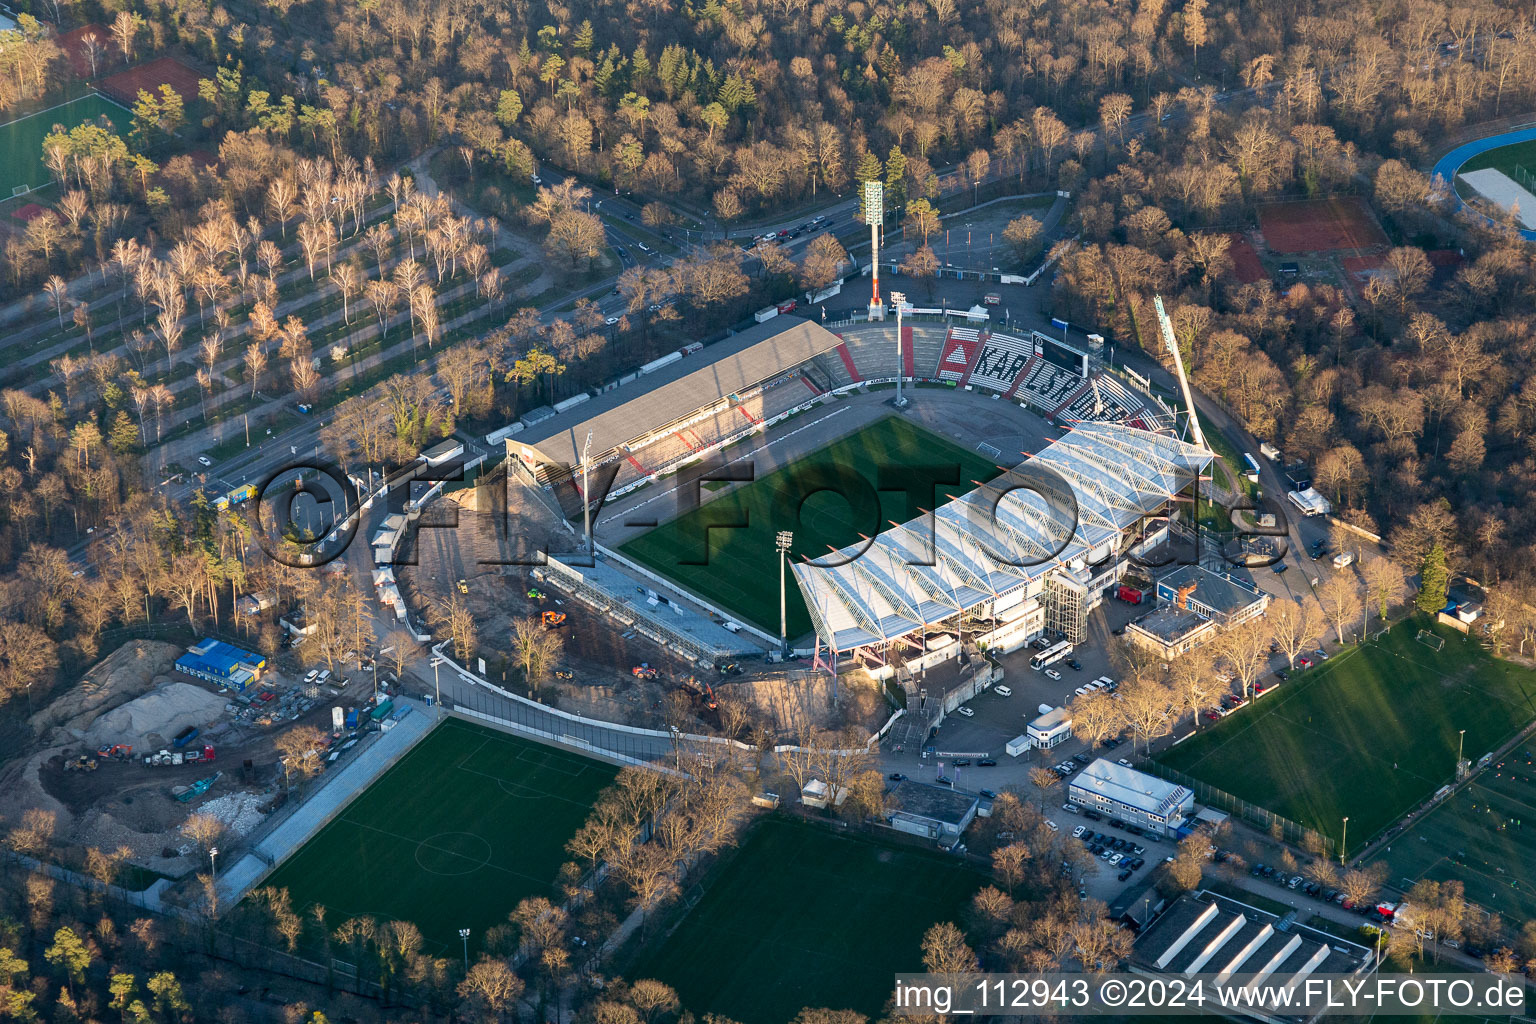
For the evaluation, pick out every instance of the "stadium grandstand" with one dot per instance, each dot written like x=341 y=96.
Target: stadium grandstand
x=1118 y=465
x=1015 y=556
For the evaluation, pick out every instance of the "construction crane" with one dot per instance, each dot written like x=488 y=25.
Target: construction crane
x=1172 y=345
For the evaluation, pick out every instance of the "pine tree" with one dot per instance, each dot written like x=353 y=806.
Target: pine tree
x=895 y=178
x=123 y=439
x=1434 y=581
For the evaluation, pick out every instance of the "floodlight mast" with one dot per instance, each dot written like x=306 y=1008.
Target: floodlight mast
x=1172 y=345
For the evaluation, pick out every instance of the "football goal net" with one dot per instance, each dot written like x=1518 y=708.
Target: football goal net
x=1430 y=640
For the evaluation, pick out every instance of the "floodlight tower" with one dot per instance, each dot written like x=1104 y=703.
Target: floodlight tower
x=899 y=299
x=874 y=214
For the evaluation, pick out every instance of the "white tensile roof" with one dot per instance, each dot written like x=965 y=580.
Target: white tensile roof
x=1116 y=474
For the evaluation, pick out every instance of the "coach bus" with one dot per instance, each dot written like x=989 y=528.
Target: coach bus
x=1050 y=655
x=1253 y=468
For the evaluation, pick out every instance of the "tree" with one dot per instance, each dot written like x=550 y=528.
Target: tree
x=72 y=954
x=922 y=264
x=1191 y=679
x=1148 y=708
x=1189 y=862
x=1023 y=232
x=1434 y=581
x=1340 y=597
x=1095 y=717
x=491 y=989
x=535 y=648
x=922 y=218
x=27 y=657
x=1296 y=626
x=301 y=750
x=1245 y=647
x=1043 y=779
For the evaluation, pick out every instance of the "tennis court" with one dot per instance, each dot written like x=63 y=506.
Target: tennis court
x=828 y=499
x=1371 y=733
x=802 y=916
x=21 y=140
x=463 y=827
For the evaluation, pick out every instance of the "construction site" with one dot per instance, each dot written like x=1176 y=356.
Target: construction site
x=127 y=756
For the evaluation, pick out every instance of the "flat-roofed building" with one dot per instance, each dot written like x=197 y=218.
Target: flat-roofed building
x=1132 y=796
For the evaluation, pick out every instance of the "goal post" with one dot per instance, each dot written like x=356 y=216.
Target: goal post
x=1430 y=640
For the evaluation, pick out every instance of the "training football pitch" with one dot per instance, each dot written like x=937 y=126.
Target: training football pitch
x=1484 y=836
x=802 y=916
x=1371 y=733
x=811 y=497
x=21 y=140
x=452 y=836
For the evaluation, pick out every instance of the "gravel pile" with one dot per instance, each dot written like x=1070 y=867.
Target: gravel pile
x=238 y=811
x=153 y=719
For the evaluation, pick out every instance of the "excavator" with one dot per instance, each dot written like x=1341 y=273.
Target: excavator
x=115 y=751
x=553 y=619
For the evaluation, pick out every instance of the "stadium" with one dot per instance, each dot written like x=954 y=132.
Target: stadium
x=1011 y=548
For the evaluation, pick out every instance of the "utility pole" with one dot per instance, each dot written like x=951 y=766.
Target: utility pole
x=1343 y=841
x=900 y=299
x=782 y=542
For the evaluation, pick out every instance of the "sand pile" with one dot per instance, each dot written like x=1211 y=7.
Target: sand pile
x=152 y=720
x=124 y=674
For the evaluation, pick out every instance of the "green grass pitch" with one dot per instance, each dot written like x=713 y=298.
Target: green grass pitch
x=1370 y=734
x=452 y=836
x=21 y=140
x=1483 y=836
x=742 y=573
x=1504 y=159
x=802 y=916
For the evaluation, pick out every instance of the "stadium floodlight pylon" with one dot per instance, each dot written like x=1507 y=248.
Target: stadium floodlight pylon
x=1172 y=344
x=874 y=214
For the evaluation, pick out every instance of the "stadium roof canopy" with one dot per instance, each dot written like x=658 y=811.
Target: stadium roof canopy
x=1116 y=475
x=694 y=382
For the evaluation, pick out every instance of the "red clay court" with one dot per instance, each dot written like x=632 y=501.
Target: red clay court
x=1245 y=260
x=125 y=85
x=1318 y=225
x=74 y=49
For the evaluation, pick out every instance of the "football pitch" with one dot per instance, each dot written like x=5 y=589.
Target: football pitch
x=21 y=140
x=828 y=499
x=802 y=916
x=452 y=836
x=1371 y=733
x=1504 y=159
x=1484 y=836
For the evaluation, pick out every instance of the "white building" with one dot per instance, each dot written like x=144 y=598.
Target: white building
x=1131 y=795
x=1051 y=728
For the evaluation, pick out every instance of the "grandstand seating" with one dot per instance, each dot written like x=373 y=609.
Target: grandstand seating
x=834 y=370
x=961 y=346
x=927 y=347
x=1003 y=357
x=874 y=353
x=1045 y=386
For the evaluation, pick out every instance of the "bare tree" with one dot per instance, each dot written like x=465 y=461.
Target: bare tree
x=1297 y=626
x=535 y=646
x=1340 y=598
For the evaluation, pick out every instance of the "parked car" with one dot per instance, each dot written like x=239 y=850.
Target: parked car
x=897 y=777
x=1122 y=876
x=1082 y=758
x=986 y=762
x=1052 y=674
x=1002 y=691
x=943 y=780
x=961 y=762
x=988 y=794
x=966 y=712
x=1074 y=664
x=1077 y=833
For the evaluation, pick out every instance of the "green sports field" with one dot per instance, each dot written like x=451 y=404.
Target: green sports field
x=1483 y=836
x=1504 y=158
x=802 y=916
x=21 y=140
x=740 y=570
x=452 y=836
x=1369 y=734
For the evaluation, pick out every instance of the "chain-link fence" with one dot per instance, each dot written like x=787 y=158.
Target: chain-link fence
x=1263 y=818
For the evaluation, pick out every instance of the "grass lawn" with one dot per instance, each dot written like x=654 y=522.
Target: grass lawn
x=802 y=916
x=1478 y=837
x=21 y=141
x=456 y=833
x=741 y=571
x=1370 y=734
x=1504 y=159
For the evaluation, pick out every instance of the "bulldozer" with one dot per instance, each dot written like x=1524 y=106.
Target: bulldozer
x=553 y=619
x=83 y=763
x=115 y=751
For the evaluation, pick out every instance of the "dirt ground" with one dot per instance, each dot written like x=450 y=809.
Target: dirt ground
x=124 y=803
x=594 y=672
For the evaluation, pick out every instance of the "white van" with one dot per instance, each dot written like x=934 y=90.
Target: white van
x=1343 y=559
x=1002 y=691
x=323 y=678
